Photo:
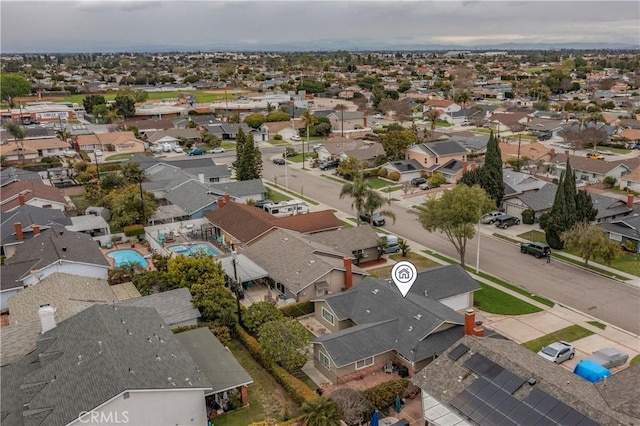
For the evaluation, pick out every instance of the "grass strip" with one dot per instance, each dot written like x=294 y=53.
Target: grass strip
x=569 y=334
x=597 y=324
x=492 y=300
x=295 y=194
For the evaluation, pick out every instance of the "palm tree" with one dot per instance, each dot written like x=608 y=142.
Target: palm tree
x=358 y=190
x=320 y=412
x=382 y=246
x=308 y=120
x=341 y=108
x=375 y=201
x=404 y=246
x=432 y=116
x=18 y=134
x=462 y=98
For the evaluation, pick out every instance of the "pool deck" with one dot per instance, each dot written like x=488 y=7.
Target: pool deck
x=142 y=250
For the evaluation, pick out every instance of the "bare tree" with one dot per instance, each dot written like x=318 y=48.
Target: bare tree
x=352 y=404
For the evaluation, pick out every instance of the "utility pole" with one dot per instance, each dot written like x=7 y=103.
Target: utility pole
x=144 y=219
x=234 y=260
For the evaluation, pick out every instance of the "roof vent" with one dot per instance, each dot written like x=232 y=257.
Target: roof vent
x=122 y=321
x=410 y=328
x=426 y=293
x=129 y=332
x=532 y=381
x=374 y=291
x=79 y=359
x=158 y=357
x=61 y=232
x=418 y=317
x=64 y=249
x=131 y=371
x=100 y=348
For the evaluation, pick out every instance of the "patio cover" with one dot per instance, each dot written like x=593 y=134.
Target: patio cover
x=217 y=364
x=247 y=270
x=88 y=222
x=170 y=211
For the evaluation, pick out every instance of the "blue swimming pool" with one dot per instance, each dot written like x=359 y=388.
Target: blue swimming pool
x=189 y=249
x=127 y=256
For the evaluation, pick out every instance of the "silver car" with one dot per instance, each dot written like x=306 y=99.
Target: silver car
x=608 y=357
x=490 y=217
x=558 y=352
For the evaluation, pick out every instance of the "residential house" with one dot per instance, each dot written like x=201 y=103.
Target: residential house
x=285 y=129
x=490 y=381
x=27 y=192
x=200 y=120
x=303 y=269
x=364 y=151
x=12 y=174
x=29 y=133
x=408 y=169
x=448 y=157
x=475 y=143
x=371 y=324
x=631 y=136
x=229 y=131
x=506 y=121
x=624 y=229
x=450 y=285
x=147 y=127
x=242 y=224
x=463 y=116
x=360 y=242
x=446 y=106
x=24 y=223
x=25 y=150
x=118 y=142
x=173 y=306
x=227 y=377
x=159 y=111
x=15 y=152
x=347 y=122
x=588 y=170
x=535 y=152
x=121 y=364
x=53 y=250
x=631 y=180
x=202 y=168
x=174 y=136
x=544 y=128
x=240 y=191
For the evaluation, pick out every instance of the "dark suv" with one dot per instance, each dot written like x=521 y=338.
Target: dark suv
x=418 y=181
x=378 y=219
x=506 y=221
x=537 y=249
x=328 y=164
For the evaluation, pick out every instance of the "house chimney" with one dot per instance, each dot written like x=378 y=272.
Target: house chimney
x=227 y=198
x=21 y=199
x=220 y=202
x=47 y=318
x=552 y=153
x=35 y=229
x=19 y=235
x=630 y=201
x=478 y=330
x=348 y=276
x=469 y=321
x=201 y=177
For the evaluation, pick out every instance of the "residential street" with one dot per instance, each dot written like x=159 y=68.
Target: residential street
x=605 y=299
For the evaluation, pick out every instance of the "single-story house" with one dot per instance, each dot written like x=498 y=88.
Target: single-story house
x=342 y=149
x=631 y=180
x=30 y=193
x=372 y=323
x=588 y=170
x=174 y=135
x=623 y=230
x=173 y=306
x=120 y=142
x=12 y=174
x=361 y=242
x=450 y=285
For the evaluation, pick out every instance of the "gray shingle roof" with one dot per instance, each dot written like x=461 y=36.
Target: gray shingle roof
x=406 y=165
x=239 y=188
x=406 y=325
x=191 y=196
x=29 y=215
x=347 y=240
x=217 y=364
x=627 y=226
x=445 y=378
x=444 y=148
x=57 y=244
x=12 y=174
x=18 y=340
x=608 y=206
x=540 y=200
x=173 y=306
x=69 y=373
x=443 y=282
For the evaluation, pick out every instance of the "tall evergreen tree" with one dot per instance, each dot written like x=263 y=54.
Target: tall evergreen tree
x=491 y=179
x=585 y=212
x=249 y=158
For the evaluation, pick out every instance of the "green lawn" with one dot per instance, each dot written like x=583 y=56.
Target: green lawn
x=296 y=195
x=392 y=188
x=278 y=142
x=276 y=196
x=490 y=299
x=419 y=261
x=298 y=157
x=600 y=325
x=378 y=183
x=121 y=157
x=267 y=399
x=201 y=96
x=533 y=235
x=634 y=360
x=569 y=334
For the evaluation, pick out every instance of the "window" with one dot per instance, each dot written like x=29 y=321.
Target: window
x=324 y=360
x=615 y=237
x=214 y=179
x=364 y=363
x=328 y=316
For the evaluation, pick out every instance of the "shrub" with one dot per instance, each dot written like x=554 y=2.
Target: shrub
x=298 y=309
x=133 y=230
x=630 y=246
x=394 y=176
x=528 y=217
x=278 y=137
x=84 y=156
x=384 y=394
x=382 y=172
x=116 y=238
x=436 y=180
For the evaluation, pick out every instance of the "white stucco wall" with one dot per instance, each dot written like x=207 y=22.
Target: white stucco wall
x=84 y=270
x=150 y=407
x=458 y=303
x=5 y=295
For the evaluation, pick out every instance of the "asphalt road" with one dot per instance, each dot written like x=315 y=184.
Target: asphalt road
x=602 y=298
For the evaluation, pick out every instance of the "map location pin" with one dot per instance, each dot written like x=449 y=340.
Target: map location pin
x=404 y=274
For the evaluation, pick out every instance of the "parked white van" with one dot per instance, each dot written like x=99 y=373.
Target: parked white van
x=286 y=208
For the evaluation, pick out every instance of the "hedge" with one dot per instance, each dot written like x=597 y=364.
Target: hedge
x=41 y=167
x=298 y=309
x=222 y=332
x=296 y=388
x=384 y=394
x=133 y=230
x=383 y=172
x=394 y=176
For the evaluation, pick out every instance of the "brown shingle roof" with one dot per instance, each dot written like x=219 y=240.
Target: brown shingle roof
x=587 y=164
x=309 y=223
x=535 y=151
x=29 y=190
x=115 y=138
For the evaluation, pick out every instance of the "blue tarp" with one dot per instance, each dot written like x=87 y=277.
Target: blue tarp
x=591 y=371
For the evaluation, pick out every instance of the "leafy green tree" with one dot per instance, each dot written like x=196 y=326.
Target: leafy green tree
x=125 y=205
x=102 y=113
x=17 y=131
x=255 y=120
x=396 y=142
x=590 y=242
x=285 y=342
x=585 y=212
x=90 y=101
x=135 y=130
x=436 y=180
x=215 y=303
x=352 y=404
x=320 y=412
x=278 y=116
x=14 y=85
x=197 y=268
x=125 y=106
x=259 y=314
x=249 y=164
x=112 y=181
x=133 y=173
x=456 y=214
x=404 y=86
x=151 y=282
x=563 y=215
x=462 y=98
x=124 y=273
x=492 y=180
x=358 y=191
x=348 y=168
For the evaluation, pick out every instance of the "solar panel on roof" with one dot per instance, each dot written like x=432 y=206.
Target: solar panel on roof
x=508 y=405
x=472 y=405
x=497 y=398
x=483 y=366
x=493 y=418
x=572 y=418
x=587 y=421
x=513 y=384
x=507 y=422
x=520 y=412
x=546 y=405
x=477 y=385
x=533 y=418
x=458 y=351
x=461 y=399
x=487 y=392
x=502 y=378
x=534 y=397
x=483 y=411
x=558 y=412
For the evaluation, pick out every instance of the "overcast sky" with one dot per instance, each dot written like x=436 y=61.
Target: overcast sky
x=56 y=26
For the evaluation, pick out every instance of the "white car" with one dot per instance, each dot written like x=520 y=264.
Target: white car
x=295 y=138
x=558 y=352
x=178 y=149
x=218 y=150
x=97 y=152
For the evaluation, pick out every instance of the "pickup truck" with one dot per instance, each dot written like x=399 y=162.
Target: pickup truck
x=537 y=249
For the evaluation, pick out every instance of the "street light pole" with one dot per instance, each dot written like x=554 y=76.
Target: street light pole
x=234 y=260
x=478 y=250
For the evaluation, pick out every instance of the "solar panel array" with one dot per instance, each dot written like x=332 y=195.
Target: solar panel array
x=489 y=400
x=458 y=351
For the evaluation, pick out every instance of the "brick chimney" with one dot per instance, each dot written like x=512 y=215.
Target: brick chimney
x=469 y=321
x=464 y=166
x=478 y=330
x=19 y=234
x=630 y=201
x=348 y=277
x=227 y=198
x=21 y=199
x=220 y=202
x=552 y=153
x=35 y=229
